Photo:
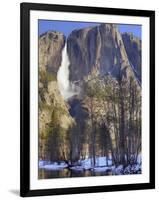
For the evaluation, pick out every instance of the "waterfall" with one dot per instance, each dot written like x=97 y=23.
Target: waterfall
x=65 y=86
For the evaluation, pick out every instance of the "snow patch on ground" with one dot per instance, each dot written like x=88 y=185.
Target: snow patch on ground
x=102 y=164
x=99 y=162
x=133 y=169
x=101 y=169
x=77 y=168
x=118 y=170
x=139 y=159
x=86 y=164
x=52 y=166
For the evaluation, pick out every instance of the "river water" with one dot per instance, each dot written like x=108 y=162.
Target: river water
x=67 y=173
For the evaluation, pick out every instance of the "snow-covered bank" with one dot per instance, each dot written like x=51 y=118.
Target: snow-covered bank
x=102 y=164
x=52 y=166
x=99 y=162
x=101 y=169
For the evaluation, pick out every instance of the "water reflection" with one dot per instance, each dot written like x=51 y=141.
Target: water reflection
x=64 y=173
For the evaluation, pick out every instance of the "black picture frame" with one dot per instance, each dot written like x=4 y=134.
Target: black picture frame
x=25 y=9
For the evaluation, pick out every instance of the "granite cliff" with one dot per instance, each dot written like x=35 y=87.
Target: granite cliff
x=103 y=48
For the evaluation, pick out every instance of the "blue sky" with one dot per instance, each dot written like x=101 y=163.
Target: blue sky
x=66 y=27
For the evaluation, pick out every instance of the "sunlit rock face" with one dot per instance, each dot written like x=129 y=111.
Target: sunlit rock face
x=102 y=48
x=51 y=44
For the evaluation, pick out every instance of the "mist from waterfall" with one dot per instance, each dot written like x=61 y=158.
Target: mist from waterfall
x=67 y=89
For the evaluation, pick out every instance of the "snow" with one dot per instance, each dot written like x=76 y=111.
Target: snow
x=101 y=169
x=77 y=168
x=86 y=164
x=42 y=163
x=101 y=161
x=110 y=162
x=102 y=164
x=52 y=166
x=132 y=169
x=139 y=159
x=118 y=170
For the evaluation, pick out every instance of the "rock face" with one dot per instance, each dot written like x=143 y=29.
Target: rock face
x=133 y=49
x=104 y=49
x=50 y=48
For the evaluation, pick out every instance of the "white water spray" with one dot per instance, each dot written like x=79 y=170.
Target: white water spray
x=66 y=88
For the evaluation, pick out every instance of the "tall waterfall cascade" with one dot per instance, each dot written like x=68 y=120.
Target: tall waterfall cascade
x=67 y=89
